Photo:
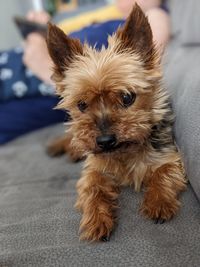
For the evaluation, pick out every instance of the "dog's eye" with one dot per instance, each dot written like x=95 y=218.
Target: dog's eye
x=82 y=106
x=128 y=99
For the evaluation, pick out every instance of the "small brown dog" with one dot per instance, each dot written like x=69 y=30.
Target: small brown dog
x=122 y=122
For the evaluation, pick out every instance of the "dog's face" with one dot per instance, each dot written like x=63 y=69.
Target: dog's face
x=113 y=95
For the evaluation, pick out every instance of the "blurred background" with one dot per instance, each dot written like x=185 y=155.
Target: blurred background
x=10 y=8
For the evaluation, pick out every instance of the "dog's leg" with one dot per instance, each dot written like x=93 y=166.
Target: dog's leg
x=97 y=200
x=162 y=189
x=62 y=145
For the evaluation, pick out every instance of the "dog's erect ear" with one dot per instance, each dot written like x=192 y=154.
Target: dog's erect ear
x=136 y=34
x=62 y=49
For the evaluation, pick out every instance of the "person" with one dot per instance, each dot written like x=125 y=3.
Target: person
x=36 y=56
x=27 y=72
x=36 y=59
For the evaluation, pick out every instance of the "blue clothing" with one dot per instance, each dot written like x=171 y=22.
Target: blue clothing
x=25 y=104
x=97 y=34
x=16 y=81
x=21 y=116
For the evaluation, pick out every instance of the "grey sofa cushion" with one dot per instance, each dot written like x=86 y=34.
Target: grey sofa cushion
x=183 y=81
x=191 y=23
x=176 y=11
x=39 y=225
x=186 y=20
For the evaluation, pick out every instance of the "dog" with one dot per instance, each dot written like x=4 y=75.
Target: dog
x=121 y=121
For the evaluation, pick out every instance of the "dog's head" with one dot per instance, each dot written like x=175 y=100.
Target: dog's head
x=113 y=95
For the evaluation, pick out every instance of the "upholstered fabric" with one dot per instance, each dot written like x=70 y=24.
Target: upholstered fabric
x=39 y=225
x=186 y=20
x=183 y=82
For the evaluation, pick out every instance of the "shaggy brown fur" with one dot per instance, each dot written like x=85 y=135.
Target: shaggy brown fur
x=117 y=92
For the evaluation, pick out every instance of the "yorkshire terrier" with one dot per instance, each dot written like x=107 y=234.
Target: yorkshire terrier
x=121 y=120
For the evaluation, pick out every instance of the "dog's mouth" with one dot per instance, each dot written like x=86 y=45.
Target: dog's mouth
x=120 y=146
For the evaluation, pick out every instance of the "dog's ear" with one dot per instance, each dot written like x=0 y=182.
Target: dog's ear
x=62 y=49
x=136 y=34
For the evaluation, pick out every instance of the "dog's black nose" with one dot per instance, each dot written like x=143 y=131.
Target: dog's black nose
x=106 y=142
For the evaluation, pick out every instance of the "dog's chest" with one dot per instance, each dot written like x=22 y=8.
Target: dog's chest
x=130 y=169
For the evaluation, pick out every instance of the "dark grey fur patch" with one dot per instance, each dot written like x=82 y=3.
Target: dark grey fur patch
x=162 y=134
x=103 y=124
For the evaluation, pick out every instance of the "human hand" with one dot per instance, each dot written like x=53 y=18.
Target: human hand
x=36 y=57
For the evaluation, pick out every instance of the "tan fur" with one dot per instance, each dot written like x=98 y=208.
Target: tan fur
x=147 y=154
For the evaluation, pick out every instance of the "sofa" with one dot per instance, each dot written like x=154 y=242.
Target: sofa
x=38 y=222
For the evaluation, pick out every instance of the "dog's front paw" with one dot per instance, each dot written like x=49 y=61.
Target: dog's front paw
x=97 y=227
x=62 y=146
x=159 y=210
x=75 y=156
x=55 y=149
